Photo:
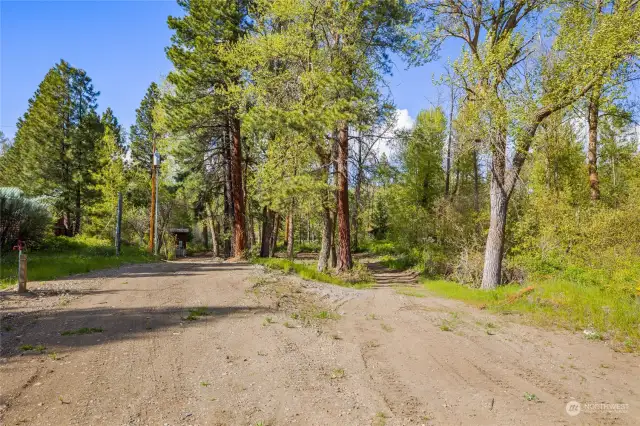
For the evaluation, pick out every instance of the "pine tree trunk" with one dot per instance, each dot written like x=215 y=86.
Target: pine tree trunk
x=214 y=237
x=237 y=190
x=344 y=231
x=592 y=153
x=205 y=236
x=499 y=198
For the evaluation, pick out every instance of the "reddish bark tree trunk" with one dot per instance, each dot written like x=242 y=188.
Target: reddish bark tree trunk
x=237 y=189
x=344 y=232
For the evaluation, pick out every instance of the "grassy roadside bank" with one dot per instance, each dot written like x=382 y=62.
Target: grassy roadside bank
x=308 y=272
x=63 y=256
x=600 y=315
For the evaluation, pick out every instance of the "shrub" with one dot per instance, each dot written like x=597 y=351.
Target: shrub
x=468 y=268
x=21 y=218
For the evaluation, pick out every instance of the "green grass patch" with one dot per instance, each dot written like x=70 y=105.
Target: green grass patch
x=327 y=315
x=28 y=348
x=196 y=313
x=606 y=312
x=80 y=331
x=337 y=373
x=63 y=256
x=308 y=272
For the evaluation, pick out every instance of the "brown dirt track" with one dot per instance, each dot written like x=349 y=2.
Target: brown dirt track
x=279 y=350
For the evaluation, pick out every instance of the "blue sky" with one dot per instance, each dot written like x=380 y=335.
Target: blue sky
x=121 y=46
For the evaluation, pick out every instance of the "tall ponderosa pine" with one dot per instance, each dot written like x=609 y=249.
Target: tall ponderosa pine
x=358 y=36
x=206 y=84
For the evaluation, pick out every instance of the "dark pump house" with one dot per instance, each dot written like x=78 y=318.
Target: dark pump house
x=182 y=236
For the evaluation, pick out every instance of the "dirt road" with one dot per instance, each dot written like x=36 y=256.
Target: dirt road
x=204 y=343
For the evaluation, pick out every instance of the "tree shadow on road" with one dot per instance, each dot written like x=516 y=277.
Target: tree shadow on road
x=185 y=267
x=103 y=325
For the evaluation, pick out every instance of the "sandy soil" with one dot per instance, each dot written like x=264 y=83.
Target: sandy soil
x=277 y=350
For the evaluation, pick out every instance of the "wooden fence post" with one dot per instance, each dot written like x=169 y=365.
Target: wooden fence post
x=22 y=273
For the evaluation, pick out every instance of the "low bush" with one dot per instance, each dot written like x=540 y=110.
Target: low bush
x=21 y=218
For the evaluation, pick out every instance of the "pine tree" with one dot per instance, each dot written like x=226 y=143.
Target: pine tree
x=110 y=122
x=206 y=84
x=54 y=150
x=108 y=177
x=84 y=143
x=142 y=135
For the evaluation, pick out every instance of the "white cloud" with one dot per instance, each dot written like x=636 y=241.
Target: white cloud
x=404 y=121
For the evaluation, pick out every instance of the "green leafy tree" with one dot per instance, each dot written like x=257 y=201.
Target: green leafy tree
x=511 y=105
